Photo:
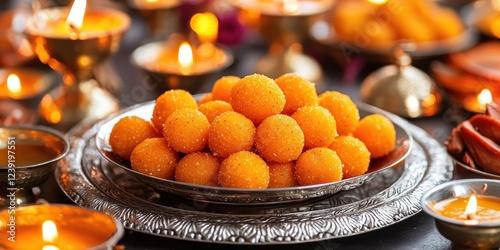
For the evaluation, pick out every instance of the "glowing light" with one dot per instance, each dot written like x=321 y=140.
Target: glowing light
x=378 y=2
x=185 y=57
x=471 y=205
x=290 y=6
x=205 y=25
x=76 y=14
x=484 y=98
x=14 y=84
x=49 y=231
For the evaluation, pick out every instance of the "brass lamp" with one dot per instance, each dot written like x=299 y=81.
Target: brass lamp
x=74 y=52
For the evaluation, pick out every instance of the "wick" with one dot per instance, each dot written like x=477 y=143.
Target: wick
x=471 y=216
x=74 y=29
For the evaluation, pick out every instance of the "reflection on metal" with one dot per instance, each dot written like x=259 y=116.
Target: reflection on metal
x=402 y=89
x=80 y=96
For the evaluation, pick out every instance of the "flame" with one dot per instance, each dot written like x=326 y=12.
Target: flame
x=471 y=205
x=378 y=2
x=14 y=84
x=49 y=247
x=75 y=16
x=151 y=1
x=205 y=25
x=290 y=6
x=49 y=231
x=185 y=56
x=484 y=98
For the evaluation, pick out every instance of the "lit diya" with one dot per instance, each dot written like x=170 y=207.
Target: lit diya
x=73 y=41
x=54 y=227
x=467 y=212
x=178 y=64
x=24 y=83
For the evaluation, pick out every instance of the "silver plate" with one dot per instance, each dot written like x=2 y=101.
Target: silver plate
x=250 y=196
x=89 y=181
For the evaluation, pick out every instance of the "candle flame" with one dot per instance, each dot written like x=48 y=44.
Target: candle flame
x=378 y=2
x=205 y=25
x=471 y=205
x=151 y=1
x=14 y=84
x=185 y=56
x=76 y=14
x=290 y=6
x=49 y=247
x=49 y=231
x=484 y=98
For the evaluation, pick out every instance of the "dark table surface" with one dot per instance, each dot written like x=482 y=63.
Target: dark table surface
x=416 y=232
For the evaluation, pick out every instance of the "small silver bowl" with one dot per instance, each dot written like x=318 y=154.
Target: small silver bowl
x=462 y=233
x=29 y=156
x=463 y=171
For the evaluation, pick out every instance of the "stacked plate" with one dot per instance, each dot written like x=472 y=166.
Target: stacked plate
x=92 y=177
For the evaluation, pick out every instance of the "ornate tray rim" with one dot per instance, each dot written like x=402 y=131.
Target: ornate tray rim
x=251 y=196
x=250 y=229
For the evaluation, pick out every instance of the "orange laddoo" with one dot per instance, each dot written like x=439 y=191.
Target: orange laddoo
x=344 y=110
x=199 y=168
x=298 y=91
x=186 y=130
x=378 y=134
x=282 y=175
x=257 y=97
x=168 y=102
x=229 y=133
x=318 y=125
x=155 y=158
x=205 y=98
x=279 y=139
x=127 y=133
x=214 y=108
x=317 y=166
x=222 y=88
x=244 y=169
x=354 y=155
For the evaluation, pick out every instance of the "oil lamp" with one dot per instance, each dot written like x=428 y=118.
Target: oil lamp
x=24 y=83
x=285 y=24
x=57 y=226
x=177 y=64
x=73 y=44
x=467 y=212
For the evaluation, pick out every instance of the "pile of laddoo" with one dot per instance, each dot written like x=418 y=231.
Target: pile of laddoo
x=254 y=132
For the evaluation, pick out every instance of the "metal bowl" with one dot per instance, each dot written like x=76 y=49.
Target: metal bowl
x=68 y=219
x=483 y=235
x=17 y=179
x=250 y=196
x=161 y=79
x=464 y=171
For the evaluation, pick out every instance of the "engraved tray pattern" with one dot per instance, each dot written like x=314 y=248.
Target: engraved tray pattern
x=238 y=196
x=89 y=181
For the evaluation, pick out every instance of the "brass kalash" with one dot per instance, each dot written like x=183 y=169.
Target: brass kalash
x=284 y=24
x=73 y=46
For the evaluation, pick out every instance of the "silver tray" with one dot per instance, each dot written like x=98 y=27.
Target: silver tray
x=390 y=197
x=240 y=196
